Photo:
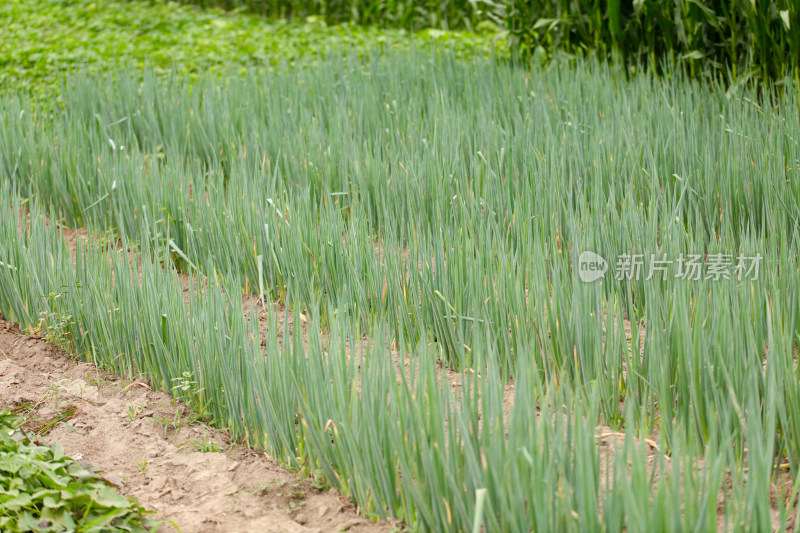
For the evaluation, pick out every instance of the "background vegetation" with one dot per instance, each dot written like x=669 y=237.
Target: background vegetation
x=43 y=40
x=410 y=14
x=710 y=37
x=736 y=40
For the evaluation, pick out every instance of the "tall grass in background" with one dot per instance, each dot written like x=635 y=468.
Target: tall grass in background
x=737 y=40
x=439 y=208
x=709 y=37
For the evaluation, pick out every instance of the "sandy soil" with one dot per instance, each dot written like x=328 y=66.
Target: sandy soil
x=129 y=433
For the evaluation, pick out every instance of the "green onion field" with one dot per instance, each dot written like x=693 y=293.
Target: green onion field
x=388 y=286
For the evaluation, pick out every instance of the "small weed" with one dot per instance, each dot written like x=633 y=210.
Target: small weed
x=294 y=506
x=319 y=481
x=178 y=421
x=296 y=495
x=24 y=409
x=135 y=411
x=56 y=324
x=202 y=445
x=143 y=465
x=186 y=383
x=296 y=498
x=45 y=425
x=96 y=379
x=260 y=491
x=52 y=393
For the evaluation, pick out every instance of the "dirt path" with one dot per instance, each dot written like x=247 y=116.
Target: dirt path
x=191 y=475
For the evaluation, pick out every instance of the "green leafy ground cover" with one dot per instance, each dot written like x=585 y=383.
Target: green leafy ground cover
x=42 y=39
x=42 y=490
x=408 y=14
